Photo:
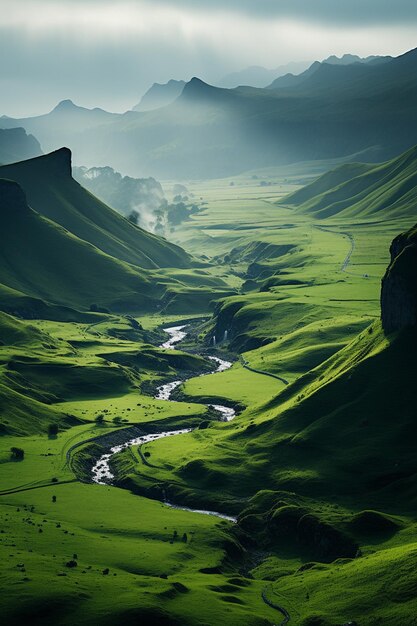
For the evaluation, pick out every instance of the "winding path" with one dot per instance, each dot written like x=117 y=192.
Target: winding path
x=246 y=365
x=277 y=607
x=349 y=236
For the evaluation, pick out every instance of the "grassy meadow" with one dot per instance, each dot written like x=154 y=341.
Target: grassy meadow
x=301 y=327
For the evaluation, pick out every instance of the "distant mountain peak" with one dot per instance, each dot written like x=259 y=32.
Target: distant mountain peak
x=159 y=95
x=197 y=83
x=65 y=105
x=197 y=87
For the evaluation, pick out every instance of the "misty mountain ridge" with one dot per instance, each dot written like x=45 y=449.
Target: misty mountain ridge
x=344 y=108
x=258 y=76
x=346 y=60
x=160 y=95
x=17 y=145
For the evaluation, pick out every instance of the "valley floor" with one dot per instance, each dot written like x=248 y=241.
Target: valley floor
x=76 y=552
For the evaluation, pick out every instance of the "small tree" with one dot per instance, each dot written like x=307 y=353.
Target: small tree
x=117 y=420
x=17 y=453
x=53 y=430
x=134 y=217
x=99 y=419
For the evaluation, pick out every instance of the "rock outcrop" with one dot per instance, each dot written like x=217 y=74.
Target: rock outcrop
x=399 y=285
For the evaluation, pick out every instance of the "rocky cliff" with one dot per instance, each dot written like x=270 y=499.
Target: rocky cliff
x=399 y=285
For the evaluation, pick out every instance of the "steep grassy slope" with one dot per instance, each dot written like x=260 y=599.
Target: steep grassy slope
x=82 y=252
x=51 y=190
x=24 y=406
x=362 y=191
x=62 y=268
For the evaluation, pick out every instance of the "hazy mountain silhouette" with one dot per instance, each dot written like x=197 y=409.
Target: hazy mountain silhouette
x=160 y=95
x=17 y=145
x=327 y=112
x=258 y=76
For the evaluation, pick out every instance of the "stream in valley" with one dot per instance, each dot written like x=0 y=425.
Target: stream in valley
x=101 y=472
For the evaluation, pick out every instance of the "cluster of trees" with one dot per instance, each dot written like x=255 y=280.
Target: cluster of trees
x=141 y=200
x=99 y=420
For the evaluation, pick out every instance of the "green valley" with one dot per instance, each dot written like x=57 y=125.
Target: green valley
x=207 y=381
x=310 y=367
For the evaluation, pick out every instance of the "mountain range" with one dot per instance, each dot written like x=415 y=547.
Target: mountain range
x=329 y=111
x=257 y=76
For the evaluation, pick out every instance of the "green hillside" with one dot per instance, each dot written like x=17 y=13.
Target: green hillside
x=363 y=191
x=327 y=470
x=62 y=268
x=52 y=192
x=82 y=253
x=319 y=471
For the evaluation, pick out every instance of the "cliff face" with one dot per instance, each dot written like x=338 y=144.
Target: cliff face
x=399 y=285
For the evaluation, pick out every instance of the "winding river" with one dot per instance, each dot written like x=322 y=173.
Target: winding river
x=101 y=472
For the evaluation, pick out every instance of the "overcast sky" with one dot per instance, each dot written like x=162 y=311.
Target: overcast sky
x=107 y=53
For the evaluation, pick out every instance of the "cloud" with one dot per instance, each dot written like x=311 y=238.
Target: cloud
x=346 y=12
x=134 y=14
x=359 y=12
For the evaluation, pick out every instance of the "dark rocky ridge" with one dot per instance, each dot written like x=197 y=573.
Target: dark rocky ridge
x=399 y=285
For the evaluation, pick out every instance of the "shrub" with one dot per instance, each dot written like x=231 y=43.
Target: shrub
x=53 y=430
x=17 y=453
x=99 y=419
